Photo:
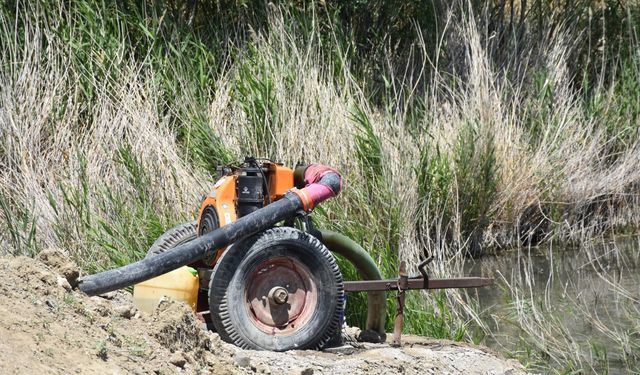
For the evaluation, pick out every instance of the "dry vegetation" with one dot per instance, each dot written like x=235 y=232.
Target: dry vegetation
x=482 y=132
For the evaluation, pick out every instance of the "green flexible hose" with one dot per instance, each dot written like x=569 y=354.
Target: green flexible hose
x=360 y=258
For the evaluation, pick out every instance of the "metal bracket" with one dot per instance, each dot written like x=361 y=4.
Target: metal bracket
x=304 y=220
x=422 y=269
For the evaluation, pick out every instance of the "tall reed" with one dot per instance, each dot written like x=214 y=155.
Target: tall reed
x=480 y=133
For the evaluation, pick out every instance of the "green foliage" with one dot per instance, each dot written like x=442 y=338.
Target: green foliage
x=254 y=90
x=458 y=188
x=73 y=208
x=368 y=146
x=182 y=52
x=619 y=113
x=539 y=121
x=101 y=350
x=118 y=226
x=435 y=180
x=435 y=177
x=600 y=354
x=432 y=320
x=20 y=227
x=476 y=176
x=133 y=222
x=104 y=36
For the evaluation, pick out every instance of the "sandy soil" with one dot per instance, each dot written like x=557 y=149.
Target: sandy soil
x=48 y=327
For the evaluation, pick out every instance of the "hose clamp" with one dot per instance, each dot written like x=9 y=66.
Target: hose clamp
x=307 y=202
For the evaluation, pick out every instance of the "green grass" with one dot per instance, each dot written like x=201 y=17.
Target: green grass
x=20 y=227
x=114 y=116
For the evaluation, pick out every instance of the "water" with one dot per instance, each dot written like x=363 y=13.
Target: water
x=590 y=294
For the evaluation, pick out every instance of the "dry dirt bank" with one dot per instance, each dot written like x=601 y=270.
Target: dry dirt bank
x=49 y=328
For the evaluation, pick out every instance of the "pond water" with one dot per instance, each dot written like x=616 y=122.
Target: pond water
x=584 y=299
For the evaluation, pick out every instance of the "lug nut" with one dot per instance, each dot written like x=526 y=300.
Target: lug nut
x=278 y=295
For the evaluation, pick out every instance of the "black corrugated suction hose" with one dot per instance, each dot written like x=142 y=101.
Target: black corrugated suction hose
x=150 y=267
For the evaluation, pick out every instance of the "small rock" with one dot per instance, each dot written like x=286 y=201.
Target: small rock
x=189 y=358
x=124 y=311
x=177 y=359
x=369 y=336
x=48 y=278
x=64 y=283
x=58 y=261
x=352 y=331
x=101 y=308
x=346 y=349
x=242 y=361
x=262 y=369
x=164 y=369
x=108 y=295
x=164 y=303
x=307 y=371
x=52 y=305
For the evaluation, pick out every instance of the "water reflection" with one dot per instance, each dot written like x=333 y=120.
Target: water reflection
x=592 y=292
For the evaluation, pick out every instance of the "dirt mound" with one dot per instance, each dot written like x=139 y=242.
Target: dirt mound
x=48 y=327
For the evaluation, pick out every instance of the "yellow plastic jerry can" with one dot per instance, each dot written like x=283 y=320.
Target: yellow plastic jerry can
x=180 y=284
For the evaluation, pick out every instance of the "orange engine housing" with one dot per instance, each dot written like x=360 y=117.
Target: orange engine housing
x=222 y=201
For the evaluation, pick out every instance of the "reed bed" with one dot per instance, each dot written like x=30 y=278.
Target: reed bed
x=494 y=127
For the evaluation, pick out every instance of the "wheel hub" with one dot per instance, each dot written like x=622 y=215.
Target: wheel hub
x=280 y=296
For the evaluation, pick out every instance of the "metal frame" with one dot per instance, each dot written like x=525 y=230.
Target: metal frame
x=404 y=283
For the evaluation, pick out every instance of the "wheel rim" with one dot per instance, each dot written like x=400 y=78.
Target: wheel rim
x=280 y=296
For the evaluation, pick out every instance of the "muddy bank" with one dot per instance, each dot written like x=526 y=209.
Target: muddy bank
x=47 y=326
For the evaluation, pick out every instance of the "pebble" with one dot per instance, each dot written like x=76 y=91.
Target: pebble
x=125 y=311
x=108 y=295
x=63 y=282
x=52 y=305
x=177 y=359
x=242 y=361
x=369 y=336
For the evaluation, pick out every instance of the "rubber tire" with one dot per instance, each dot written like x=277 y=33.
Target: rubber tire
x=227 y=291
x=175 y=236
